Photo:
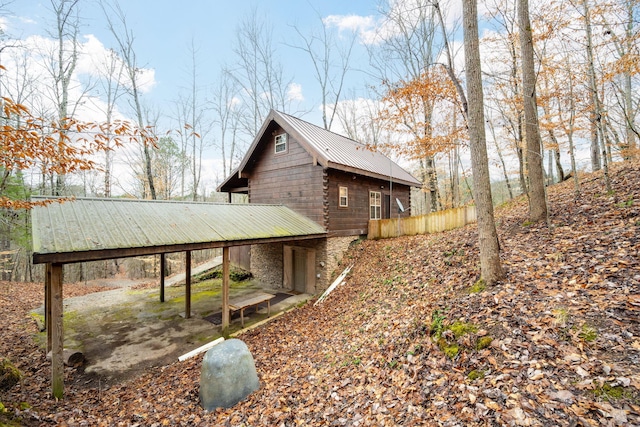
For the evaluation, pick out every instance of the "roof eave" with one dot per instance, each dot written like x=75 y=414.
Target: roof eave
x=370 y=174
x=233 y=184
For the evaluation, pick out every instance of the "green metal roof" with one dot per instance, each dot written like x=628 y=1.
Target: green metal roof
x=89 y=229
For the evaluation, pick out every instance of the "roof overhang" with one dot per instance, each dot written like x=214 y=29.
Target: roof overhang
x=234 y=183
x=98 y=229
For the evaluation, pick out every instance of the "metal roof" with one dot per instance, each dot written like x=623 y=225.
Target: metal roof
x=337 y=151
x=330 y=149
x=89 y=228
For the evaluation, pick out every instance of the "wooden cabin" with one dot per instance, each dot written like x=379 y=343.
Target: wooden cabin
x=335 y=181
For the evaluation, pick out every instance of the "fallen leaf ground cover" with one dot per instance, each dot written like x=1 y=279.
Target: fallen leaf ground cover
x=413 y=337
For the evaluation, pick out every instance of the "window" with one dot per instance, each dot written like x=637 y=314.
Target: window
x=344 y=197
x=281 y=143
x=374 y=204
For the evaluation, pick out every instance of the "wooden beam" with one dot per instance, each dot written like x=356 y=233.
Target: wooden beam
x=163 y=266
x=47 y=305
x=97 y=255
x=57 y=361
x=187 y=288
x=225 y=292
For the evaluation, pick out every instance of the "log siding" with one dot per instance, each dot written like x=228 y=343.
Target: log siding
x=354 y=218
x=288 y=178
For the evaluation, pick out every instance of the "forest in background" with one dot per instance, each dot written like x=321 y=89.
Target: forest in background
x=412 y=105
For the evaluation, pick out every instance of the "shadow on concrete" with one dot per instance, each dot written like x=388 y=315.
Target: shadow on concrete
x=124 y=331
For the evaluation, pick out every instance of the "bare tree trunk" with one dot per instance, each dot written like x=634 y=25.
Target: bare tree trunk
x=67 y=27
x=455 y=175
x=537 y=197
x=449 y=66
x=259 y=72
x=550 y=168
x=597 y=117
x=112 y=69
x=559 y=168
x=501 y=157
x=322 y=58
x=594 y=113
x=432 y=177
x=125 y=40
x=490 y=266
x=569 y=130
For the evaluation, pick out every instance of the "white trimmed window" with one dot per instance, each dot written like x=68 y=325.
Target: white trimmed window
x=375 y=205
x=344 y=197
x=281 y=143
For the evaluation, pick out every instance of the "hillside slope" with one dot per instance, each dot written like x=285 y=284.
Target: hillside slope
x=412 y=338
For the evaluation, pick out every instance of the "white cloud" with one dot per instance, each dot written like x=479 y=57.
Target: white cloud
x=27 y=21
x=373 y=30
x=364 y=26
x=147 y=79
x=93 y=62
x=235 y=102
x=31 y=60
x=294 y=92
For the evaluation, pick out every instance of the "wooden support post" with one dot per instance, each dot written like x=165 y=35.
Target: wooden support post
x=57 y=361
x=47 y=305
x=163 y=266
x=225 y=292
x=187 y=281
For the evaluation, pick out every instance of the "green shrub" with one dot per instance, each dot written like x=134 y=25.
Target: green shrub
x=437 y=323
x=461 y=328
x=484 y=342
x=612 y=393
x=476 y=374
x=477 y=287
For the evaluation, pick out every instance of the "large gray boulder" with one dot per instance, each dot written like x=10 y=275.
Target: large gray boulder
x=228 y=375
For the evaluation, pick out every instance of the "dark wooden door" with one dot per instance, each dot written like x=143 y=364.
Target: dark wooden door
x=299 y=270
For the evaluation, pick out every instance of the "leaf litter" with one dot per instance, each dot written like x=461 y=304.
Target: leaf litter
x=560 y=335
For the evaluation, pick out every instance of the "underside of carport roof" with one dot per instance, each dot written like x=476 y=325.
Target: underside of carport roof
x=90 y=229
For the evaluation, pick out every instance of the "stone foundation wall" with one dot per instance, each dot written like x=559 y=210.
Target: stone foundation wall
x=335 y=249
x=266 y=264
x=267 y=261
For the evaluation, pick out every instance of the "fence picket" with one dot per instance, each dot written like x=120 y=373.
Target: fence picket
x=431 y=223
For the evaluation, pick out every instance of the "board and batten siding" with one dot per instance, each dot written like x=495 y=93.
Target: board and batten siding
x=354 y=219
x=289 y=178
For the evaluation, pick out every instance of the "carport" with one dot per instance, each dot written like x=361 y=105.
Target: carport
x=92 y=229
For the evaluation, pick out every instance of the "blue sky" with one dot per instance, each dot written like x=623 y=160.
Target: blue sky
x=164 y=31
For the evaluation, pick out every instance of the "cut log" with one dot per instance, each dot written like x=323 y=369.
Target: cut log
x=70 y=357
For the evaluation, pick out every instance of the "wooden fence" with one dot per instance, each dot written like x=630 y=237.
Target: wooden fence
x=422 y=224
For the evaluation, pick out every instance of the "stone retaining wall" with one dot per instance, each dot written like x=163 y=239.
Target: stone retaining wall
x=267 y=260
x=266 y=264
x=335 y=249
